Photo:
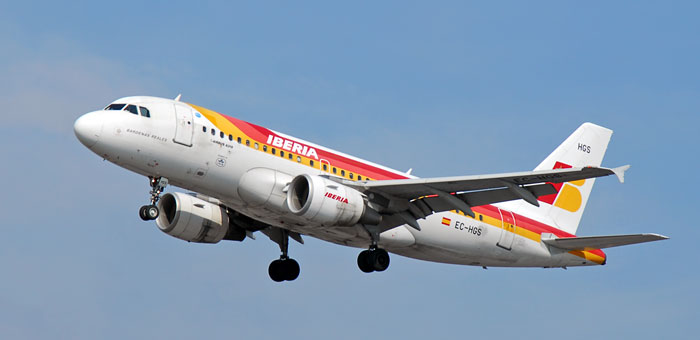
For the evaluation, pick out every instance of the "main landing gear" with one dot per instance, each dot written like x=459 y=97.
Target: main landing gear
x=151 y=212
x=286 y=268
x=374 y=259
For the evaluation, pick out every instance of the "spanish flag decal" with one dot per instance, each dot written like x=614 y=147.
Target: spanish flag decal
x=446 y=221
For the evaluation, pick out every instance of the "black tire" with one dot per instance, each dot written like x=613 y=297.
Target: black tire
x=152 y=212
x=363 y=261
x=142 y=213
x=380 y=260
x=291 y=269
x=276 y=271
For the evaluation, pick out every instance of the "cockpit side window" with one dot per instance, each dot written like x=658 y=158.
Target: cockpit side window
x=116 y=107
x=132 y=109
x=144 y=111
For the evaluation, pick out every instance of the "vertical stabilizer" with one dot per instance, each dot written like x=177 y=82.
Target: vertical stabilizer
x=585 y=147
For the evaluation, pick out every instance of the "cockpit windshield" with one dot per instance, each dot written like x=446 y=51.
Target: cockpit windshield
x=115 y=107
x=130 y=108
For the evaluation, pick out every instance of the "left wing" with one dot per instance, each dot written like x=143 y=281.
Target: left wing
x=405 y=200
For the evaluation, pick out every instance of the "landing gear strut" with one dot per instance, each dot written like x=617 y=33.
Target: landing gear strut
x=286 y=268
x=375 y=258
x=151 y=212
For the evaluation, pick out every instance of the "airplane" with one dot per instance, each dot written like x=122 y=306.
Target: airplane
x=243 y=178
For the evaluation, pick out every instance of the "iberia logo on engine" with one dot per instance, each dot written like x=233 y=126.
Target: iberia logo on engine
x=568 y=196
x=336 y=197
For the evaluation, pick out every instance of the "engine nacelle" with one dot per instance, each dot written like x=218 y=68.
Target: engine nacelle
x=263 y=187
x=323 y=201
x=191 y=219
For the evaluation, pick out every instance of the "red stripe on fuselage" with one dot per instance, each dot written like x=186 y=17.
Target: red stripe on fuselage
x=260 y=134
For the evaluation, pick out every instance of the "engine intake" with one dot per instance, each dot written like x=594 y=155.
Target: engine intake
x=192 y=219
x=325 y=202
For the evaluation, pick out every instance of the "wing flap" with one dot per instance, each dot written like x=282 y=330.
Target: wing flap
x=600 y=242
x=477 y=198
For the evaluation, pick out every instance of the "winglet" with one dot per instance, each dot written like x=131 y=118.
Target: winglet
x=620 y=172
x=177 y=99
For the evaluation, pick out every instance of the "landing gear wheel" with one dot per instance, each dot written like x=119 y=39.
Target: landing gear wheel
x=292 y=269
x=276 y=271
x=142 y=213
x=363 y=261
x=283 y=270
x=152 y=212
x=149 y=212
x=380 y=260
x=373 y=260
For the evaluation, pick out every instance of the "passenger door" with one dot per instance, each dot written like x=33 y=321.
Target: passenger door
x=508 y=232
x=183 y=125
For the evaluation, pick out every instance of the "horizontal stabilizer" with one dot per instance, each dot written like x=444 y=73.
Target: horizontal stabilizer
x=600 y=242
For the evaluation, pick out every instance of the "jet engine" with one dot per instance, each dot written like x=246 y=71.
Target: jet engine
x=192 y=219
x=320 y=200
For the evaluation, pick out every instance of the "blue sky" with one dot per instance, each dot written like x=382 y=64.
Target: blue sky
x=450 y=88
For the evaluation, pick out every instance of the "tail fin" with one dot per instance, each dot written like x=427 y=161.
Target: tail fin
x=585 y=147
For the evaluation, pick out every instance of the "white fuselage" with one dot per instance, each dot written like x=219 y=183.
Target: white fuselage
x=214 y=166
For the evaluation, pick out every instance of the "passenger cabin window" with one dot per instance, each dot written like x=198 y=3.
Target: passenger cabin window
x=298 y=159
x=311 y=163
x=325 y=167
x=342 y=173
x=145 y=112
x=265 y=148
x=247 y=142
x=132 y=109
x=221 y=134
x=290 y=155
x=116 y=107
x=230 y=137
x=281 y=153
x=256 y=146
x=239 y=140
x=204 y=129
x=335 y=170
x=351 y=175
x=274 y=151
x=359 y=178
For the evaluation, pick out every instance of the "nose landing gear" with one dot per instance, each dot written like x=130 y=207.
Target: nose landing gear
x=151 y=212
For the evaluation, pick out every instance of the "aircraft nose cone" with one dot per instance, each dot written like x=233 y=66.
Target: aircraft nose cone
x=88 y=128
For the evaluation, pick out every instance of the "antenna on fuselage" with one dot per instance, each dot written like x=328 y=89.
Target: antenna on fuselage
x=177 y=99
x=409 y=171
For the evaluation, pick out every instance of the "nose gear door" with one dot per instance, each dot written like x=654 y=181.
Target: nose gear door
x=183 y=125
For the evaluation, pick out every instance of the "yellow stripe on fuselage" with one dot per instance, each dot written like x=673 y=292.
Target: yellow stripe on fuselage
x=219 y=121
